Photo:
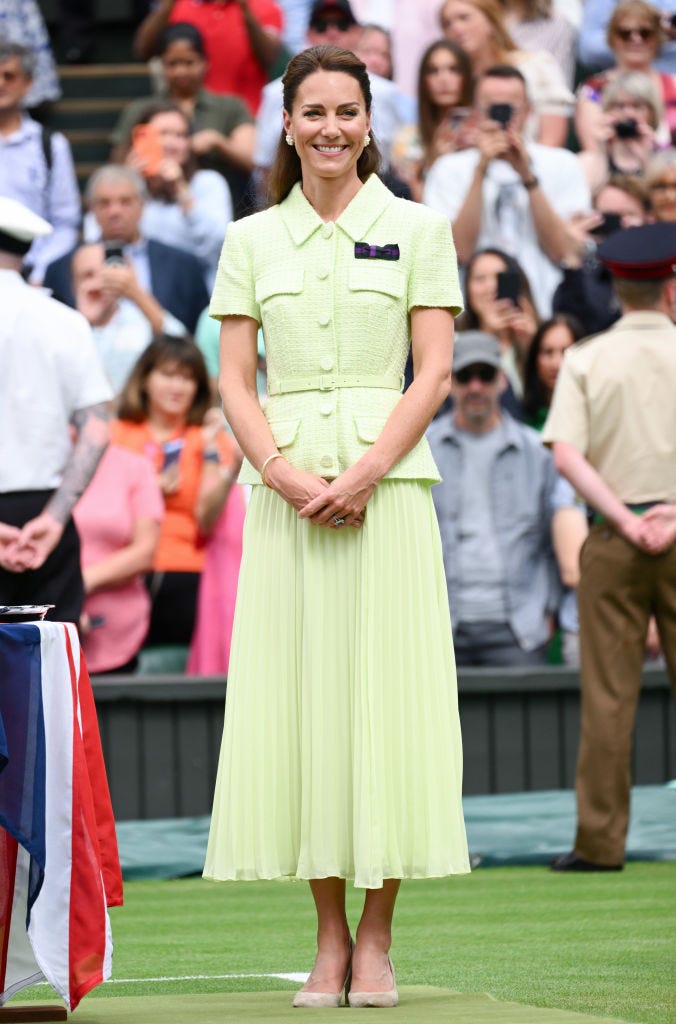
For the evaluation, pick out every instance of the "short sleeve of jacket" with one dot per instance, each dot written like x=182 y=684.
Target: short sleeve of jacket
x=234 y=292
x=433 y=280
x=567 y=419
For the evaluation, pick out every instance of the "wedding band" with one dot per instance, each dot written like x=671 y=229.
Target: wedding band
x=338 y=521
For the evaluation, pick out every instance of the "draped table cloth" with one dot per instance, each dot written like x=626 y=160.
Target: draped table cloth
x=59 y=865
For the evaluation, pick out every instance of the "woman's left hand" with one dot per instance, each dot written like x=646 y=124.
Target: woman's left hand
x=345 y=498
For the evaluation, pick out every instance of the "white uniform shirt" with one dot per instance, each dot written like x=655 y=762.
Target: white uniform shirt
x=50 y=369
x=506 y=220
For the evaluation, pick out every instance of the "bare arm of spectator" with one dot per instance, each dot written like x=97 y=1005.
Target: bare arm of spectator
x=128 y=562
x=217 y=479
x=549 y=227
x=63 y=210
x=569 y=530
x=237 y=147
x=145 y=39
x=39 y=537
x=265 y=41
x=552 y=129
x=491 y=142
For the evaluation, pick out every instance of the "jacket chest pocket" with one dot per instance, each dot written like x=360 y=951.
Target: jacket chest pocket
x=277 y=293
x=376 y=289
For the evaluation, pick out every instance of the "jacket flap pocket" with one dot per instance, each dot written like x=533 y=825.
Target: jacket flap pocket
x=284 y=431
x=279 y=282
x=369 y=428
x=377 y=276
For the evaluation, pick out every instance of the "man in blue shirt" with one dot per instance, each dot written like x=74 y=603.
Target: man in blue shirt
x=36 y=166
x=494 y=506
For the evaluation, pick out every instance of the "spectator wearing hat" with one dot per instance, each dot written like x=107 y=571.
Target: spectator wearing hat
x=495 y=505
x=242 y=41
x=36 y=165
x=612 y=426
x=53 y=387
x=332 y=23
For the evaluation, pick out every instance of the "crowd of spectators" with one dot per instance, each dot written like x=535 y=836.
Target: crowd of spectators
x=537 y=127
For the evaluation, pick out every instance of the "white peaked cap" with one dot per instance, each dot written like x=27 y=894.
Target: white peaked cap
x=17 y=221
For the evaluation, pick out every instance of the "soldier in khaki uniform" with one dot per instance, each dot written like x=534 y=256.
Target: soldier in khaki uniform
x=612 y=426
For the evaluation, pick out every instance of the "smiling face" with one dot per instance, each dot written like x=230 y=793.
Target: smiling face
x=635 y=42
x=550 y=357
x=171 y=389
x=328 y=123
x=467 y=26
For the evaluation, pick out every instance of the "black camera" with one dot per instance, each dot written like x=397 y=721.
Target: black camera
x=114 y=252
x=627 y=129
x=501 y=112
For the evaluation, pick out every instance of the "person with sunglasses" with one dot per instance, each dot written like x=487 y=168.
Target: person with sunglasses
x=495 y=506
x=635 y=35
x=593 y=48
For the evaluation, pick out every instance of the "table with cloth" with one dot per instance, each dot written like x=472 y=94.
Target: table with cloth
x=59 y=866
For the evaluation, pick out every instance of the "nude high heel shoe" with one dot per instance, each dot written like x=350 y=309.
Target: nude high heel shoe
x=324 y=1000
x=388 y=998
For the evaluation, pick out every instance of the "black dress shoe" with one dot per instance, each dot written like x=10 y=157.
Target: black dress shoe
x=573 y=862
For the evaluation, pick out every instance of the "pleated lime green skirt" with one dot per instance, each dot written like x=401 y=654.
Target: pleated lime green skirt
x=341 y=751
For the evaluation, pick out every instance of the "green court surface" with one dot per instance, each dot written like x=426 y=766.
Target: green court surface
x=418 y=1005
x=566 y=949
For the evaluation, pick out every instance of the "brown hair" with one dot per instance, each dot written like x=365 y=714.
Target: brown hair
x=640 y=9
x=630 y=184
x=533 y=9
x=286 y=169
x=639 y=294
x=165 y=348
x=429 y=116
x=491 y=10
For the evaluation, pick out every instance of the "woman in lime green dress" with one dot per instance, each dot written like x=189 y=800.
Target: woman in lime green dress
x=341 y=753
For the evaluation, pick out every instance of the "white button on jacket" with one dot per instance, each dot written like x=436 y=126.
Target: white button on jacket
x=269 y=271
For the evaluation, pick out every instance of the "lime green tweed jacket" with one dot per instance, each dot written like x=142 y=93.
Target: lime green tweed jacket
x=334 y=322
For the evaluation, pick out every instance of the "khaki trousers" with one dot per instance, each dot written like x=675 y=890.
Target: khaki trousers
x=620 y=588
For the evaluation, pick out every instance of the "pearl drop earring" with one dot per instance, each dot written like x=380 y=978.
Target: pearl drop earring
x=367 y=140
x=289 y=139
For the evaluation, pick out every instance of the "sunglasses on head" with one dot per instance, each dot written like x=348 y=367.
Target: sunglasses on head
x=485 y=373
x=321 y=24
x=625 y=34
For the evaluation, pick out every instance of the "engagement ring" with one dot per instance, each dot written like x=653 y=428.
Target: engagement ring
x=338 y=521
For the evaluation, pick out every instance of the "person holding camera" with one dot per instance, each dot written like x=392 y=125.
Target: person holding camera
x=507 y=193
x=628 y=133
x=586 y=291
x=116 y=196
x=635 y=35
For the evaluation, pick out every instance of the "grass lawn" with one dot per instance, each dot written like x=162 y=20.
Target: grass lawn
x=597 y=944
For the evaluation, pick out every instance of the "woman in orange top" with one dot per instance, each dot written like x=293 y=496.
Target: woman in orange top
x=164 y=414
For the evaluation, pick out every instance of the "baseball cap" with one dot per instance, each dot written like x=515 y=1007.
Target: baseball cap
x=471 y=347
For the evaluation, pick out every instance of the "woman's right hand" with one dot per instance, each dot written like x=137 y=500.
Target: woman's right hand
x=294 y=485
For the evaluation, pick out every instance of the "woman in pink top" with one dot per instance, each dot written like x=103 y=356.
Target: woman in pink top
x=118 y=519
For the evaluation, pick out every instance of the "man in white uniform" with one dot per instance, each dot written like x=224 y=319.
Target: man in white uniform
x=508 y=193
x=53 y=428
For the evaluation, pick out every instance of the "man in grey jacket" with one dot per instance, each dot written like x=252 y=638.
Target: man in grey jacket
x=494 y=506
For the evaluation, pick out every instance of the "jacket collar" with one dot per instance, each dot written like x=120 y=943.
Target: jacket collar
x=641 y=319
x=302 y=220
x=512 y=432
